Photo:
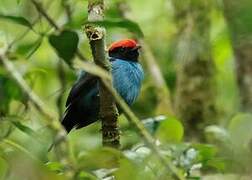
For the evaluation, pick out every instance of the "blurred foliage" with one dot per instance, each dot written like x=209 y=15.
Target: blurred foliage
x=35 y=48
x=17 y=20
x=65 y=45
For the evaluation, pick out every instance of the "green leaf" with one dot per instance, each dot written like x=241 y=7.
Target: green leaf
x=127 y=170
x=239 y=129
x=17 y=19
x=193 y=178
x=206 y=152
x=9 y=90
x=6 y=128
x=65 y=44
x=34 y=73
x=86 y=176
x=28 y=49
x=55 y=166
x=170 y=130
x=35 y=47
x=77 y=20
x=24 y=128
x=3 y=168
x=102 y=158
x=121 y=23
x=216 y=163
x=216 y=133
x=19 y=148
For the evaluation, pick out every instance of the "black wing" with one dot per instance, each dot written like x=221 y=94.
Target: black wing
x=83 y=85
x=82 y=103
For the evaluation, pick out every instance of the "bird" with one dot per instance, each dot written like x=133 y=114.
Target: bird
x=83 y=101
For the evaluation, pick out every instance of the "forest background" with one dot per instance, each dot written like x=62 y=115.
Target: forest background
x=196 y=99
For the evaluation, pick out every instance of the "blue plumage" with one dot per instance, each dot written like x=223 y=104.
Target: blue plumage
x=83 y=101
x=127 y=79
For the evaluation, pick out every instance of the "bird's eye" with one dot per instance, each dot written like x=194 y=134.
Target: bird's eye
x=122 y=49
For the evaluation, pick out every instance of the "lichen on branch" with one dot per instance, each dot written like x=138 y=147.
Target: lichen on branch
x=94 y=33
x=108 y=111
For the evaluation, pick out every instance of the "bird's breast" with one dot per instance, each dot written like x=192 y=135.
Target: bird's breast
x=127 y=79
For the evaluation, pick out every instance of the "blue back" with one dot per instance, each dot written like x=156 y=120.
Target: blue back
x=127 y=79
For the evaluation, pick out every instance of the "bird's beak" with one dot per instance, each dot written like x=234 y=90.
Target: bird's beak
x=137 y=47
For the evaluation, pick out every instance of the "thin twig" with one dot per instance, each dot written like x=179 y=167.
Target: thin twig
x=67 y=7
x=43 y=12
x=20 y=148
x=50 y=116
x=80 y=55
x=27 y=30
x=163 y=92
x=22 y=35
x=50 y=20
x=36 y=101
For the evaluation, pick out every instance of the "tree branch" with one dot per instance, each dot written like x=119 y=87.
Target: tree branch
x=43 y=12
x=68 y=10
x=35 y=100
x=162 y=91
x=108 y=110
x=50 y=116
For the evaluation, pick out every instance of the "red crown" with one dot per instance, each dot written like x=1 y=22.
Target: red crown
x=129 y=43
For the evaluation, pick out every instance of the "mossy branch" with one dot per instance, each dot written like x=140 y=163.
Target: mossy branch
x=108 y=110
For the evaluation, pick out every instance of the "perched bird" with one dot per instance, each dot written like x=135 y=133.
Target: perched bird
x=82 y=105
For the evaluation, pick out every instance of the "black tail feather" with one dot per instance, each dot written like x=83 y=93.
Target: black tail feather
x=71 y=119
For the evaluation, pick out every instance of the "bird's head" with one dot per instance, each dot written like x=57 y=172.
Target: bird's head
x=126 y=49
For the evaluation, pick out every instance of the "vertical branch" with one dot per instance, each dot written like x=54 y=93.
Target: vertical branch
x=241 y=36
x=162 y=91
x=195 y=94
x=108 y=110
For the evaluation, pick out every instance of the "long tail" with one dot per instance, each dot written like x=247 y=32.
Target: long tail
x=71 y=118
